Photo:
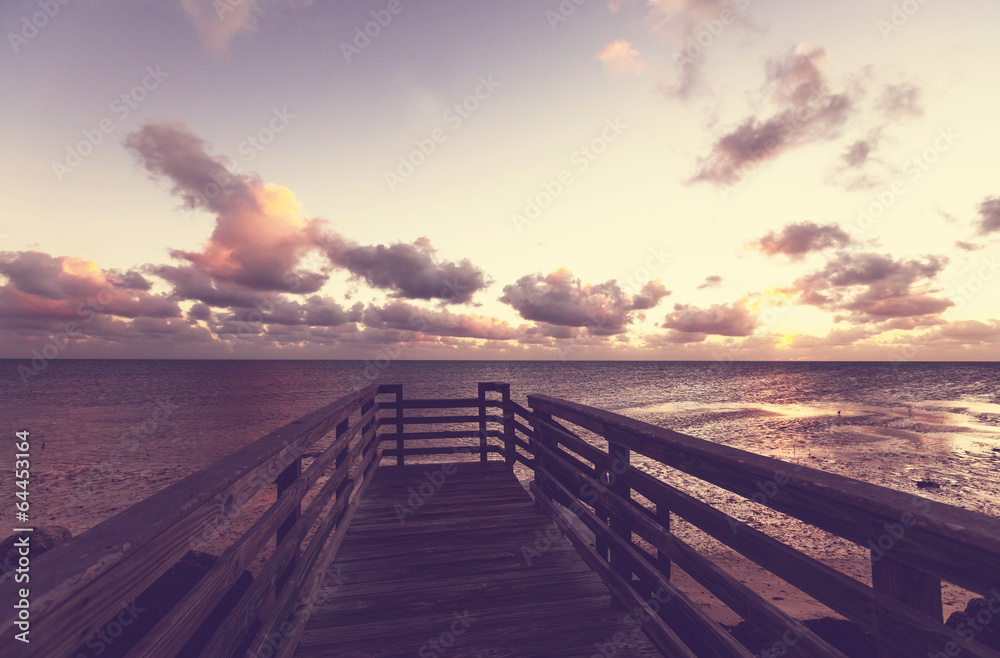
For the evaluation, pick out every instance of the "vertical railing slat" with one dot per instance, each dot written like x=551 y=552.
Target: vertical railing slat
x=482 y=421
x=914 y=587
x=508 y=426
x=618 y=461
x=399 y=425
x=284 y=480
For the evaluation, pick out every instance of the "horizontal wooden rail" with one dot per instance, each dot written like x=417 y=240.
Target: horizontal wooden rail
x=448 y=403
x=442 y=434
x=443 y=450
x=951 y=542
x=171 y=633
x=80 y=586
x=747 y=603
x=927 y=537
x=436 y=420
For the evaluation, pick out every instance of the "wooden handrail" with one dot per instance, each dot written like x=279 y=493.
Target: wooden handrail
x=927 y=537
x=79 y=586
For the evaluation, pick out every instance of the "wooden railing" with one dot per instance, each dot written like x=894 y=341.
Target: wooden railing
x=77 y=588
x=915 y=542
x=512 y=446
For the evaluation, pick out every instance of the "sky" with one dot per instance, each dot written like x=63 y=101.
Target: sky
x=557 y=179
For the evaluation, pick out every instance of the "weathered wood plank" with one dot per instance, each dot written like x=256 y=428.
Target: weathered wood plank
x=396 y=592
x=321 y=553
x=171 y=633
x=233 y=629
x=447 y=403
x=78 y=586
x=660 y=633
x=740 y=598
x=953 y=543
x=442 y=434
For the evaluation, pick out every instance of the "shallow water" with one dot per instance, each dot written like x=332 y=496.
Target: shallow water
x=115 y=432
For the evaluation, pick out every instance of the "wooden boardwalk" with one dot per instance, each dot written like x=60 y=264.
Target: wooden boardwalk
x=456 y=566
x=373 y=559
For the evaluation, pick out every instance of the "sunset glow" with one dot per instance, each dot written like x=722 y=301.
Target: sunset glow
x=672 y=180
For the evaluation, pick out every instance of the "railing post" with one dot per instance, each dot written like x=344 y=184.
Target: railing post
x=342 y=427
x=618 y=462
x=365 y=408
x=914 y=587
x=508 y=426
x=284 y=480
x=539 y=458
x=662 y=559
x=399 y=425
x=482 y=422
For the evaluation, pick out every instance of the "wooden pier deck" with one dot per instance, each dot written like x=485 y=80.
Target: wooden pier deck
x=453 y=577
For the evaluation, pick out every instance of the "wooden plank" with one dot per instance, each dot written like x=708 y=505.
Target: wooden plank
x=232 y=630
x=917 y=589
x=520 y=411
x=442 y=434
x=482 y=422
x=913 y=632
x=656 y=629
x=305 y=594
x=521 y=427
x=439 y=420
x=712 y=638
x=284 y=480
x=340 y=517
x=508 y=426
x=76 y=587
x=399 y=587
x=740 y=598
x=447 y=403
x=440 y=450
x=950 y=542
x=589 y=452
x=527 y=461
x=400 y=420
x=176 y=628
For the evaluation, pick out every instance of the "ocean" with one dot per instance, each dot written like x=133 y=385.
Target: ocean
x=107 y=433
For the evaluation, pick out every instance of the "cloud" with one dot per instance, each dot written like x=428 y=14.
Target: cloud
x=259 y=239
x=46 y=287
x=49 y=302
x=562 y=299
x=836 y=338
x=412 y=271
x=168 y=149
x=620 y=58
x=901 y=100
x=968 y=332
x=316 y=311
x=796 y=240
x=967 y=246
x=859 y=167
x=713 y=281
x=698 y=24
x=989 y=215
x=218 y=21
x=858 y=152
x=808 y=111
x=733 y=319
x=405 y=316
x=872 y=287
